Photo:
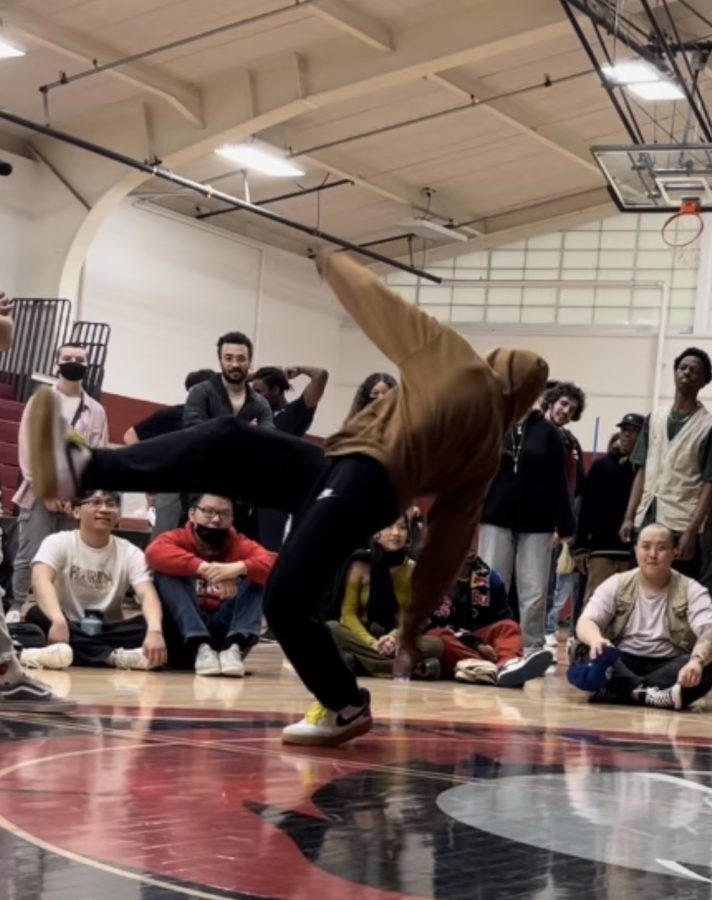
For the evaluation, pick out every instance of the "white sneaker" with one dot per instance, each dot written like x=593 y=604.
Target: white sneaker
x=322 y=727
x=54 y=656
x=231 y=662
x=551 y=640
x=662 y=698
x=13 y=617
x=517 y=672
x=58 y=455
x=129 y=659
x=207 y=661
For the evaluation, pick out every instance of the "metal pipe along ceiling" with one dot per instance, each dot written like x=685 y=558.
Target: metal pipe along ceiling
x=204 y=190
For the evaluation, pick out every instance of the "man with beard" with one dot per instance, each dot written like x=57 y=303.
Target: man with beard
x=228 y=393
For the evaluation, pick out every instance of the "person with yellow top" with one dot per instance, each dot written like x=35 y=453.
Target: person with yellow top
x=378 y=592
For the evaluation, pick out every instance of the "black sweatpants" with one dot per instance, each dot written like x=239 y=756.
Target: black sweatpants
x=336 y=503
x=95 y=650
x=631 y=672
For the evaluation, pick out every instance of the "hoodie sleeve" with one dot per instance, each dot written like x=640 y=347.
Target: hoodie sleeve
x=167 y=556
x=399 y=329
x=451 y=523
x=257 y=560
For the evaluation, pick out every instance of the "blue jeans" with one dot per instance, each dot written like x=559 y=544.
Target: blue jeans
x=565 y=587
x=236 y=621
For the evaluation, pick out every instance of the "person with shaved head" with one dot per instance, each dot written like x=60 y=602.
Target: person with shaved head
x=649 y=632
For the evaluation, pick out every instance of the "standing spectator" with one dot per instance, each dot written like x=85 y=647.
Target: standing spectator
x=210 y=580
x=168 y=419
x=273 y=383
x=598 y=548
x=228 y=393
x=39 y=518
x=80 y=581
x=377 y=385
x=19 y=692
x=673 y=485
x=528 y=502
x=563 y=403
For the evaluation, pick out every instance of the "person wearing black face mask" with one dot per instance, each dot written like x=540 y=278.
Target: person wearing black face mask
x=210 y=580
x=39 y=519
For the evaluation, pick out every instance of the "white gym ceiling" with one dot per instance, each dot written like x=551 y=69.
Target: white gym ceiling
x=327 y=82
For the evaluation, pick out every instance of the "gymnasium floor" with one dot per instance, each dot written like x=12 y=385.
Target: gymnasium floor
x=167 y=786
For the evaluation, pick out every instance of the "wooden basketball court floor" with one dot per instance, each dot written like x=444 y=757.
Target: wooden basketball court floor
x=164 y=785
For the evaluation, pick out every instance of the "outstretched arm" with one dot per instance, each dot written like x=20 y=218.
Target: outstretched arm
x=399 y=329
x=314 y=391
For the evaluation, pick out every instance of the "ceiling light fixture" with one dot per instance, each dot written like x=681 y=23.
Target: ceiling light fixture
x=260 y=160
x=9 y=51
x=643 y=79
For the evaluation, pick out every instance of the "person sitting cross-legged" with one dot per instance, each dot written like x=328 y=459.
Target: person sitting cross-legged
x=210 y=580
x=649 y=632
x=80 y=580
x=378 y=591
x=481 y=641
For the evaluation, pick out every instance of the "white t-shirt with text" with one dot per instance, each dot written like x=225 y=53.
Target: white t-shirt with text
x=92 y=579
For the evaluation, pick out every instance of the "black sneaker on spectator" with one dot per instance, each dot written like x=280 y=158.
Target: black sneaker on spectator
x=30 y=696
x=267 y=637
x=58 y=455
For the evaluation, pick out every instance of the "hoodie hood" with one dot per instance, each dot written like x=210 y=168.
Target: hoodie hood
x=524 y=375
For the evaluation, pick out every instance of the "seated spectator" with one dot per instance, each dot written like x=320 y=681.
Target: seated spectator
x=660 y=624
x=210 y=579
x=378 y=589
x=372 y=388
x=273 y=383
x=80 y=580
x=476 y=623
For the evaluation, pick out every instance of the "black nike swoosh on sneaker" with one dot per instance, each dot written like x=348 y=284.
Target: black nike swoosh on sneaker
x=343 y=722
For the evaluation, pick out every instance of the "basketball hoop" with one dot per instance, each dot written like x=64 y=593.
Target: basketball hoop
x=678 y=237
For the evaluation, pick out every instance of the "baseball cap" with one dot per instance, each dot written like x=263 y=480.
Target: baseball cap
x=632 y=420
x=593 y=676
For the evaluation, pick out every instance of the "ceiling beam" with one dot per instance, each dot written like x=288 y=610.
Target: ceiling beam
x=183 y=97
x=516 y=116
x=358 y=24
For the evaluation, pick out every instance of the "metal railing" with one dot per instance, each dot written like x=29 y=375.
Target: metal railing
x=41 y=325
x=94 y=336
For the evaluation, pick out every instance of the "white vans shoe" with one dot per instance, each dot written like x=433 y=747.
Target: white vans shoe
x=54 y=656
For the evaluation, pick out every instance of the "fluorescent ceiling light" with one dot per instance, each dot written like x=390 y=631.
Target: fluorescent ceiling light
x=657 y=90
x=259 y=160
x=9 y=51
x=631 y=71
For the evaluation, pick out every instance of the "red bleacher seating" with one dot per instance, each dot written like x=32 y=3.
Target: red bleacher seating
x=11 y=410
x=7 y=392
x=8 y=431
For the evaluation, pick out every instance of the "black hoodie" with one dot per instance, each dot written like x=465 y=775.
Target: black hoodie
x=530 y=494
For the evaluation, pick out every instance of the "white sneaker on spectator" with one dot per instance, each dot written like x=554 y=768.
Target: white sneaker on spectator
x=129 y=659
x=517 y=672
x=54 y=656
x=13 y=617
x=207 y=661
x=231 y=662
x=551 y=640
x=30 y=696
x=58 y=455
x=662 y=698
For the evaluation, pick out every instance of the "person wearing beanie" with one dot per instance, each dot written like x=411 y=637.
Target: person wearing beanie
x=673 y=485
x=438 y=434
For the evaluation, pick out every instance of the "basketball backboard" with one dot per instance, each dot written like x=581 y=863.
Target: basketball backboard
x=657 y=177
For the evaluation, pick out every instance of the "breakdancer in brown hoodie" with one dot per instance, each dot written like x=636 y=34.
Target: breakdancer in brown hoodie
x=439 y=434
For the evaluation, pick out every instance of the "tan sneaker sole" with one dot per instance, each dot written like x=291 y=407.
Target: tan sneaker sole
x=44 y=475
x=303 y=740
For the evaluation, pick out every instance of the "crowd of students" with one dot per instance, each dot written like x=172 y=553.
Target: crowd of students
x=552 y=535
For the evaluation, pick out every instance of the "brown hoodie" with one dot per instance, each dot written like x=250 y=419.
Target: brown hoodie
x=440 y=432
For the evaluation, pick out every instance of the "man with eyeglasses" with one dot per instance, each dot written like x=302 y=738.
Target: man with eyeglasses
x=80 y=580
x=210 y=580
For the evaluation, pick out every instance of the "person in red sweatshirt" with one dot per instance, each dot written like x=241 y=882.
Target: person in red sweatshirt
x=210 y=580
